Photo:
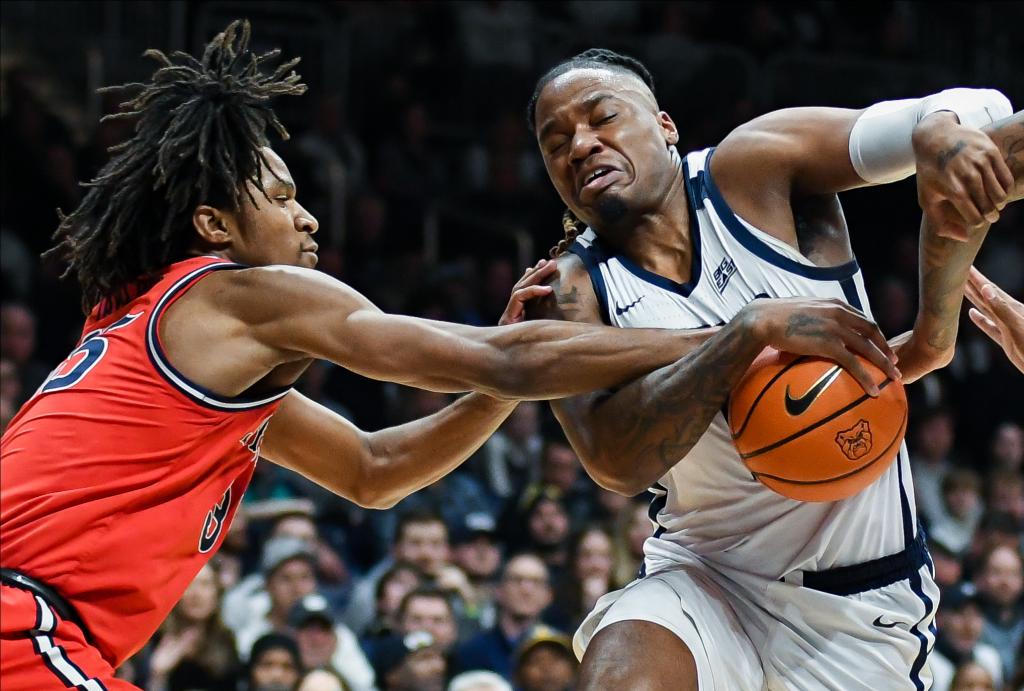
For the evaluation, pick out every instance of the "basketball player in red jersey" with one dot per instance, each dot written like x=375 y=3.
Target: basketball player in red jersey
x=122 y=472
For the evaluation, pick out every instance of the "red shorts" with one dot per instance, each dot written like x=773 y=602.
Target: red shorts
x=40 y=651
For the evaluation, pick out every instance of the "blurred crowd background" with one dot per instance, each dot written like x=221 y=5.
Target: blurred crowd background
x=412 y=150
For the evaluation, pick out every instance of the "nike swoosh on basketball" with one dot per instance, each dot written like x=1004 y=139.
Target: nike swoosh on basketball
x=796 y=406
x=886 y=625
x=623 y=310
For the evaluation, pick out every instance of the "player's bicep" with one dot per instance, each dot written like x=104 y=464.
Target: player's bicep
x=317 y=443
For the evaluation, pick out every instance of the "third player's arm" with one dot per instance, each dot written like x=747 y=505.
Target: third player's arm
x=945 y=265
x=378 y=469
x=628 y=438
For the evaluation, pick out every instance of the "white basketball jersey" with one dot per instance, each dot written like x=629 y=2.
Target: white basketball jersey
x=708 y=503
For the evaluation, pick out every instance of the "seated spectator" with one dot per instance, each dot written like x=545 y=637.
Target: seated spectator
x=1007 y=448
x=421 y=539
x=476 y=551
x=971 y=676
x=274 y=664
x=400 y=580
x=288 y=567
x=590 y=577
x=1000 y=582
x=957 y=642
x=632 y=528
x=524 y=592
x=948 y=569
x=545 y=662
x=930 y=459
x=996 y=529
x=430 y=610
x=478 y=681
x=541 y=511
x=327 y=644
x=510 y=459
x=322 y=680
x=961 y=509
x=18 y=344
x=560 y=468
x=409 y=663
x=194 y=648
x=1005 y=493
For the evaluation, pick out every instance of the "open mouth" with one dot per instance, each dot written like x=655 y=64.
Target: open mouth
x=598 y=180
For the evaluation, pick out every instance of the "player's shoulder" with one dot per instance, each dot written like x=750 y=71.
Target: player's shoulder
x=572 y=298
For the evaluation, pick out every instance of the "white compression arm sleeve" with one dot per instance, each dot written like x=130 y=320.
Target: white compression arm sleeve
x=880 y=142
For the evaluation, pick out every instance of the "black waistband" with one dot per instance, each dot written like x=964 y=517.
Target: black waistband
x=877 y=573
x=62 y=607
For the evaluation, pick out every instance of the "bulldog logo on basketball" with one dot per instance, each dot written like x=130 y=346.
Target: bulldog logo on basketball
x=855 y=442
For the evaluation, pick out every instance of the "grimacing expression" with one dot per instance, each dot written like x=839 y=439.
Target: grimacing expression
x=605 y=122
x=277 y=230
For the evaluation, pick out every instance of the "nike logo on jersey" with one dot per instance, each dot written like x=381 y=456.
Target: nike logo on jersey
x=797 y=406
x=888 y=625
x=623 y=310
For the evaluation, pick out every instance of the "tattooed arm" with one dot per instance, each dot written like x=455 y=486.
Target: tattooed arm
x=629 y=437
x=945 y=262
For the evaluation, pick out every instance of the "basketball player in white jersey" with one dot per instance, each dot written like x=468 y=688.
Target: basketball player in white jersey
x=741 y=588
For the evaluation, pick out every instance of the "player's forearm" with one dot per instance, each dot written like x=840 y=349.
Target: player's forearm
x=945 y=265
x=409 y=457
x=630 y=438
x=554 y=359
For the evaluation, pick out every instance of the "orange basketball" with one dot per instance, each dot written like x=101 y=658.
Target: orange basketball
x=806 y=429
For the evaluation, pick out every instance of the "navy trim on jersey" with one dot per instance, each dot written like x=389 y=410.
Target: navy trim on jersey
x=658 y=504
x=870 y=575
x=850 y=291
x=175 y=378
x=592 y=258
x=758 y=246
x=922 y=655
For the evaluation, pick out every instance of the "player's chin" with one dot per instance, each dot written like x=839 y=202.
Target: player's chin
x=308 y=259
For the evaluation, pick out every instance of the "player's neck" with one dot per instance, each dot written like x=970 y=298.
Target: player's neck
x=661 y=240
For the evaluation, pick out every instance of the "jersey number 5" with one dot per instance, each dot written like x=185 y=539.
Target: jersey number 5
x=84 y=358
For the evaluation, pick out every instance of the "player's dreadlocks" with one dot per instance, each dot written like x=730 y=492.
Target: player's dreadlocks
x=201 y=124
x=599 y=58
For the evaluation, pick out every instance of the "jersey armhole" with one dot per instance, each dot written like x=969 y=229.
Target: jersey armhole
x=177 y=380
x=591 y=258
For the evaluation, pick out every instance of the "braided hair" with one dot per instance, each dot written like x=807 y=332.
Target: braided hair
x=594 y=58
x=201 y=126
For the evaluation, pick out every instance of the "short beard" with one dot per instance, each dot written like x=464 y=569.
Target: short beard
x=611 y=210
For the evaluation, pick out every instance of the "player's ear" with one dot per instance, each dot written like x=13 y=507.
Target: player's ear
x=668 y=128
x=212 y=225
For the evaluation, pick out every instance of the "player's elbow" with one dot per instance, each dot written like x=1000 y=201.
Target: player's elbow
x=612 y=476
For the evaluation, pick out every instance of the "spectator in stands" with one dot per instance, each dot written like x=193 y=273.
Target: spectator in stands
x=289 y=569
x=10 y=391
x=560 y=468
x=478 y=680
x=476 y=551
x=18 y=344
x=961 y=509
x=1000 y=582
x=971 y=676
x=632 y=528
x=589 y=577
x=322 y=680
x=1006 y=493
x=409 y=663
x=274 y=665
x=421 y=539
x=400 y=580
x=995 y=529
x=327 y=644
x=545 y=662
x=957 y=642
x=430 y=610
x=524 y=592
x=510 y=459
x=930 y=459
x=1007 y=448
x=946 y=563
x=541 y=512
x=194 y=648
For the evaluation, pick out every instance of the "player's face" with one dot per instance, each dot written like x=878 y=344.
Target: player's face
x=277 y=230
x=605 y=145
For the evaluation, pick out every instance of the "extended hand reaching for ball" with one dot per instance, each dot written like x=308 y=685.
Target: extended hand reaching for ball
x=998 y=315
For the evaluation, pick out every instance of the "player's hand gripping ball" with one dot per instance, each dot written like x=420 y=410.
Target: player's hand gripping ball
x=805 y=428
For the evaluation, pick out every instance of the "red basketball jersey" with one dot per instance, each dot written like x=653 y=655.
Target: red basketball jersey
x=120 y=476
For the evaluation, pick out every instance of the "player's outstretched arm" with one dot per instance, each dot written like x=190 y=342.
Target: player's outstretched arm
x=628 y=438
x=301 y=313
x=378 y=469
x=945 y=260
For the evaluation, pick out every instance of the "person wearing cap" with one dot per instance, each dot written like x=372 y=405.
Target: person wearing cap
x=476 y=551
x=410 y=662
x=288 y=567
x=960 y=625
x=545 y=661
x=275 y=664
x=523 y=593
x=328 y=644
